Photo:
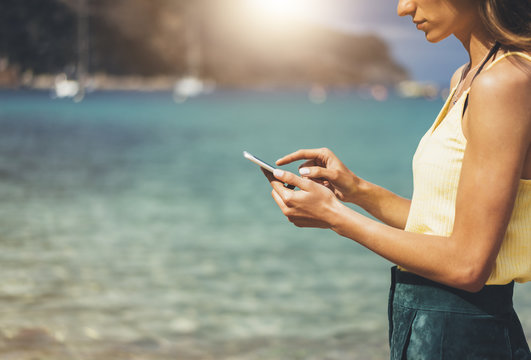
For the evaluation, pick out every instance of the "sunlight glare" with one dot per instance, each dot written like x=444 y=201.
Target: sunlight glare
x=281 y=9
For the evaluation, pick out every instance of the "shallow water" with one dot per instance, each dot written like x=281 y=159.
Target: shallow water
x=131 y=227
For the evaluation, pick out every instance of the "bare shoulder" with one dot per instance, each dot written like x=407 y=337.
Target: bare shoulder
x=509 y=74
x=499 y=110
x=504 y=88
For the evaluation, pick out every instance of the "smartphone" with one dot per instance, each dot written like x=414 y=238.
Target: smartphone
x=263 y=165
x=258 y=162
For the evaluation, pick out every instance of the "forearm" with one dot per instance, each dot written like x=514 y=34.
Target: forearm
x=447 y=260
x=383 y=204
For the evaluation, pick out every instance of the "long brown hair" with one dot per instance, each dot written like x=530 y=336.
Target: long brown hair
x=509 y=22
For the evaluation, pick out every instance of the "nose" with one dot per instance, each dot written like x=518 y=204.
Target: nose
x=405 y=7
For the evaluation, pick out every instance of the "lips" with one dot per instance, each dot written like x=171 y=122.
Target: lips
x=420 y=24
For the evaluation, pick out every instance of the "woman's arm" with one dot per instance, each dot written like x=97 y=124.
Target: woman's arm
x=443 y=259
x=383 y=204
x=323 y=166
x=498 y=130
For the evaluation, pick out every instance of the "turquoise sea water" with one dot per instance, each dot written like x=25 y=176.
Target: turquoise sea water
x=131 y=227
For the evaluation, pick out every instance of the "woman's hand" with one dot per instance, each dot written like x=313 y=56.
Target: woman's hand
x=314 y=205
x=323 y=166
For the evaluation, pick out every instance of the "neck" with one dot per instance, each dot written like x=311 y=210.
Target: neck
x=477 y=43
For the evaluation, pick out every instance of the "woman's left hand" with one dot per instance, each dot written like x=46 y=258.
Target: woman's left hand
x=314 y=205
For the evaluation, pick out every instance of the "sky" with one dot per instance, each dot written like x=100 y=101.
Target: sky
x=425 y=61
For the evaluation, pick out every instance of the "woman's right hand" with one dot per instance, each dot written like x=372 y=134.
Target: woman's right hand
x=324 y=167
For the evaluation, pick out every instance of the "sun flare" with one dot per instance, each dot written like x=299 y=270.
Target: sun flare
x=281 y=9
x=285 y=8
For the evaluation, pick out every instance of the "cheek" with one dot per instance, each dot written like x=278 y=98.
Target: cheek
x=444 y=19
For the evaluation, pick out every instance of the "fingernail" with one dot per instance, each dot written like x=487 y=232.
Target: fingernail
x=278 y=173
x=304 y=171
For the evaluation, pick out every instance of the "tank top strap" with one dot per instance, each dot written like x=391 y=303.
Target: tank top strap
x=491 y=53
x=495 y=61
x=507 y=54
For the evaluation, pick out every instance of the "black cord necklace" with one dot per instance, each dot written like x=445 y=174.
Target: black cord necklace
x=467 y=71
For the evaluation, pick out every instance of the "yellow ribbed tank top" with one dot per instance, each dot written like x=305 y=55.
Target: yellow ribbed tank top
x=436 y=169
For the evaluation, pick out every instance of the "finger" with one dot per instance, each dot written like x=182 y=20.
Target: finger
x=319 y=181
x=278 y=199
x=308 y=164
x=303 y=154
x=269 y=175
x=291 y=179
x=279 y=186
x=317 y=172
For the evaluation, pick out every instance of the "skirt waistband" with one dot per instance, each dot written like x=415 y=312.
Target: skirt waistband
x=413 y=291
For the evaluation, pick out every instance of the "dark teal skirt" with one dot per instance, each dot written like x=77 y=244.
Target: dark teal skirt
x=431 y=321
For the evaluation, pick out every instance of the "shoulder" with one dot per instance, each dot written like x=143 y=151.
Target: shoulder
x=505 y=85
x=510 y=75
x=457 y=76
x=500 y=96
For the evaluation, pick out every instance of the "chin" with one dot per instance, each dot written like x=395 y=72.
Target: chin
x=434 y=38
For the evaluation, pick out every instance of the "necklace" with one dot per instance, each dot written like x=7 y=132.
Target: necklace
x=466 y=72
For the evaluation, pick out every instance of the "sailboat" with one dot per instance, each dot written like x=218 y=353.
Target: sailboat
x=187 y=87
x=75 y=88
x=191 y=85
x=65 y=88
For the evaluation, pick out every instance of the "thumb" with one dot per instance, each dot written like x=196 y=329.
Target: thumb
x=290 y=178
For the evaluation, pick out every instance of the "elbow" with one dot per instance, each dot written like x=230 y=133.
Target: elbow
x=471 y=266
x=471 y=278
x=473 y=285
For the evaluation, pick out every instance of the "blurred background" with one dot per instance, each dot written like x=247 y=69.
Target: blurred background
x=131 y=227
x=149 y=45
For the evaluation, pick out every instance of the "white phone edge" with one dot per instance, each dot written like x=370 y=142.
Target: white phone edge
x=257 y=161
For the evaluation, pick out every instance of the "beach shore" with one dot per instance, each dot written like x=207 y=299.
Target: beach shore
x=45 y=344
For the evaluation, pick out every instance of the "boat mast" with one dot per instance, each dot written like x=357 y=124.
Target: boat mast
x=192 y=40
x=82 y=47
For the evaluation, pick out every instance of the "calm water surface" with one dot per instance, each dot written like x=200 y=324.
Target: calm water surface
x=131 y=227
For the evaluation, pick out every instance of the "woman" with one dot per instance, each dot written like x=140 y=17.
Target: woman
x=465 y=236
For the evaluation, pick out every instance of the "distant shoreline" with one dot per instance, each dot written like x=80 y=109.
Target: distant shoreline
x=166 y=83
